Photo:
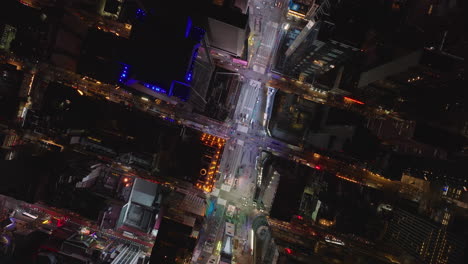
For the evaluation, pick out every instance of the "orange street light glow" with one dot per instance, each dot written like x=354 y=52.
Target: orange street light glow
x=348 y=99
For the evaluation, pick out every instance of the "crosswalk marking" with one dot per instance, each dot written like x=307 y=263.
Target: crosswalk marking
x=221 y=201
x=225 y=188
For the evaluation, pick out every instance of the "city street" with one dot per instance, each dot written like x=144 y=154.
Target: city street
x=247 y=136
x=246 y=133
x=42 y=218
x=232 y=132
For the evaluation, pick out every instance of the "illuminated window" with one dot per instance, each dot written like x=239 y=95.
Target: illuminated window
x=218 y=2
x=429 y=11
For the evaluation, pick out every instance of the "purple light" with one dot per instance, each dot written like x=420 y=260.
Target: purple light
x=188 y=76
x=189 y=27
x=123 y=73
x=140 y=13
x=169 y=119
x=155 y=88
x=197 y=33
x=172 y=90
x=12 y=224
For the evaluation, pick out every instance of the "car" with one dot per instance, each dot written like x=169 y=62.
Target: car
x=208 y=247
x=208 y=243
x=212 y=260
x=46 y=229
x=387 y=207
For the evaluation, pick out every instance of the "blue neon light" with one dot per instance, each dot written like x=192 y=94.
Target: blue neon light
x=210 y=208
x=189 y=74
x=12 y=224
x=155 y=88
x=172 y=90
x=197 y=33
x=189 y=27
x=140 y=14
x=169 y=119
x=124 y=73
x=185 y=84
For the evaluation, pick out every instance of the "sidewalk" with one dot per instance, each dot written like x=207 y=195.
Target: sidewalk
x=88 y=223
x=241 y=256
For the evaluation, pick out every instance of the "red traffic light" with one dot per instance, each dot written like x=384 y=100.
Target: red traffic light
x=317 y=167
x=288 y=250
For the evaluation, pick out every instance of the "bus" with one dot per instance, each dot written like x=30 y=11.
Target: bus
x=30 y=215
x=226 y=252
x=50 y=145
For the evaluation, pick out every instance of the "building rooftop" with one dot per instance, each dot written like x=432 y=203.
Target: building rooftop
x=143 y=192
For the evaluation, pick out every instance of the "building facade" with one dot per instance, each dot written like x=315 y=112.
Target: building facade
x=428 y=242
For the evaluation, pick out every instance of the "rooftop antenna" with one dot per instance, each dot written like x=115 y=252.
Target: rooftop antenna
x=443 y=41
